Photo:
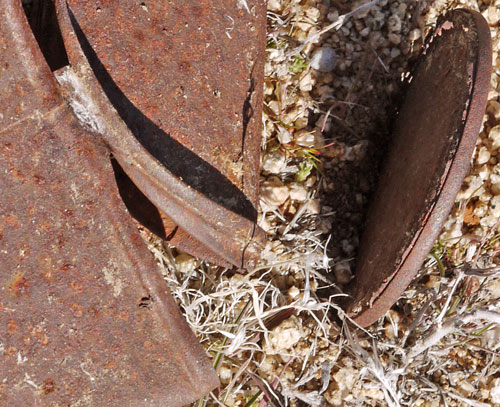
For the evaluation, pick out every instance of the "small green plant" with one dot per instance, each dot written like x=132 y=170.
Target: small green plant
x=271 y=44
x=305 y=169
x=298 y=64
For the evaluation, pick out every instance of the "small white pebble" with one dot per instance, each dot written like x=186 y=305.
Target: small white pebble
x=342 y=272
x=324 y=59
x=314 y=207
x=362 y=13
x=495 y=391
x=225 y=373
x=333 y=16
x=395 y=52
x=293 y=292
x=494 y=109
x=414 y=34
x=285 y=335
x=268 y=88
x=312 y=12
x=273 y=192
x=480 y=209
x=274 y=5
x=493 y=15
x=495 y=206
x=274 y=106
x=495 y=188
x=394 y=23
x=494 y=135
x=284 y=135
x=305 y=138
x=483 y=156
x=394 y=38
x=298 y=192
x=365 y=32
x=466 y=388
x=185 y=263
x=372 y=393
x=274 y=162
x=306 y=83
x=347 y=247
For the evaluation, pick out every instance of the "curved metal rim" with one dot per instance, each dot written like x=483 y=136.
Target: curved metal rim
x=235 y=238
x=403 y=276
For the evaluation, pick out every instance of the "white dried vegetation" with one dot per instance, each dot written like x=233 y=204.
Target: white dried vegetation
x=270 y=331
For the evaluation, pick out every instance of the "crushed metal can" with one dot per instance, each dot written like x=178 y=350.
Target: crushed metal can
x=85 y=314
x=185 y=82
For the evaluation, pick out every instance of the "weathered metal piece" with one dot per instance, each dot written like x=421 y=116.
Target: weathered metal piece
x=85 y=317
x=147 y=215
x=185 y=83
x=434 y=137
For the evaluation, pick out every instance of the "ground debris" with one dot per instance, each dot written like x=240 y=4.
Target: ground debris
x=332 y=79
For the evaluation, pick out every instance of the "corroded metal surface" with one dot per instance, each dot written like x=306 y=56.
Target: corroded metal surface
x=147 y=215
x=434 y=137
x=85 y=318
x=185 y=81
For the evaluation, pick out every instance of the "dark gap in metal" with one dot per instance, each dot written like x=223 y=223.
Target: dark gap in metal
x=138 y=205
x=42 y=18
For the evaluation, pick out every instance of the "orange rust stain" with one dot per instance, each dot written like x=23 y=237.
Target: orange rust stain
x=39 y=179
x=82 y=223
x=77 y=286
x=10 y=220
x=39 y=334
x=45 y=226
x=123 y=315
x=11 y=327
x=109 y=364
x=11 y=350
x=48 y=386
x=19 y=285
x=48 y=275
x=85 y=150
x=77 y=310
x=93 y=312
x=65 y=268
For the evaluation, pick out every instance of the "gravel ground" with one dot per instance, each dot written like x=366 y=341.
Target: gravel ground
x=274 y=333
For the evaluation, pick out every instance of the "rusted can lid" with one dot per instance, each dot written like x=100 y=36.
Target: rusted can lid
x=433 y=141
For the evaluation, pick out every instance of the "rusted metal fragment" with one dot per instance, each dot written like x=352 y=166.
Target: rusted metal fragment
x=185 y=82
x=434 y=137
x=147 y=215
x=85 y=317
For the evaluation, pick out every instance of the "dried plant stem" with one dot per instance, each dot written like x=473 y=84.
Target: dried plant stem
x=451 y=326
